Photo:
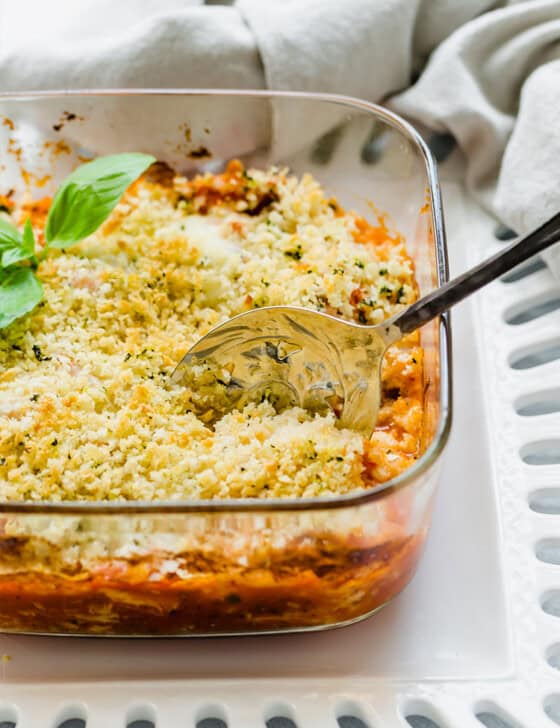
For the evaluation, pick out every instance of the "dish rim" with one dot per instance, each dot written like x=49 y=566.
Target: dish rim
x=436 y=447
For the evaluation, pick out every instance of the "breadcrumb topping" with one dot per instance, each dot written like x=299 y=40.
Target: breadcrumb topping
x=87 y=411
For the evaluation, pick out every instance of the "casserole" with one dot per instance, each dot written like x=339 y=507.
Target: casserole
x=231 y=565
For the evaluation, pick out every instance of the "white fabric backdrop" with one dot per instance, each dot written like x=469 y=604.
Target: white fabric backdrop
x=489 y=71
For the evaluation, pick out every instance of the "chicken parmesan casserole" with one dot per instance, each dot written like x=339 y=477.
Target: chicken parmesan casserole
x=88 y=413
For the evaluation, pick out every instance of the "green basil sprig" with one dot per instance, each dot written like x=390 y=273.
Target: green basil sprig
x=20 y=292
x=15 y=247
x=81 y=204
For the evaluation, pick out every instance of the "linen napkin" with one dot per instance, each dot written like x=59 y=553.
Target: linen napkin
x=489 y=72
x=495 y=85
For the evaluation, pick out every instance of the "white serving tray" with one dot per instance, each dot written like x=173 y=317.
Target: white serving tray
x=473 y=641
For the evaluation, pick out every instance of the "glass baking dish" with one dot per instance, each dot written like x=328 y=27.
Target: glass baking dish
x=236 y=566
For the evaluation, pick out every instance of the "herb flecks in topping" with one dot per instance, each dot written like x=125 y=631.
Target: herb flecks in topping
x=39 y=354
x=385 y=291
x=296 y=253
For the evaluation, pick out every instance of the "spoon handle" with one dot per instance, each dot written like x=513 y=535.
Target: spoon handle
x=440 y=300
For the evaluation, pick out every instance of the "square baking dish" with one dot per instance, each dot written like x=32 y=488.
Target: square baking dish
x=230 y=566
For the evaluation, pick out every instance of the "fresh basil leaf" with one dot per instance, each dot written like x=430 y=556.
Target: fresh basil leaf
x=23 y=250
x=28 y=237
x=20 y=292
x=128 y=163
x=10 y=236
x=87 y=197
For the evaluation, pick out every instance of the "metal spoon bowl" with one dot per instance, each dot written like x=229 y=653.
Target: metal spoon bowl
x=296 y=356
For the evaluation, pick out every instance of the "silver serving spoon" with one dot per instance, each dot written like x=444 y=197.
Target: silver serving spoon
x=297 y=356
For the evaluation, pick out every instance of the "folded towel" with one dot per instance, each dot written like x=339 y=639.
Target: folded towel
x=495 y=85
x=492 y=77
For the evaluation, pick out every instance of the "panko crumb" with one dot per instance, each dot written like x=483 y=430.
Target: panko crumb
x=87 y=411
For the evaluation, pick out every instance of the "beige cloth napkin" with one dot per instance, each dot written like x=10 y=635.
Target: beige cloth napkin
x=495 y=84
x=492 y=77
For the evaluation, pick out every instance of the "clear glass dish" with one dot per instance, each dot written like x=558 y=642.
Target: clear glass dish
x=238 y=566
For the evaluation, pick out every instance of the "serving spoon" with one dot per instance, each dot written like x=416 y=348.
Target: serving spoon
x=292 y=355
